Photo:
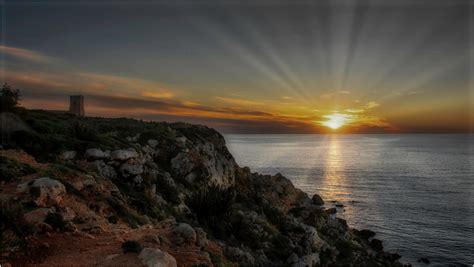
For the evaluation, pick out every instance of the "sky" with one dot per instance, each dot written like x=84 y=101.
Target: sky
x=246 y=66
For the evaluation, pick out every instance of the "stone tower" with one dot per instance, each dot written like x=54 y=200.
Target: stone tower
x=76 y=105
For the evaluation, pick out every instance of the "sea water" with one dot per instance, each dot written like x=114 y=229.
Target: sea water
x=415 y=191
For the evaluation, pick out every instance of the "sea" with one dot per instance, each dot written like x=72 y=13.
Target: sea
x=416 y=191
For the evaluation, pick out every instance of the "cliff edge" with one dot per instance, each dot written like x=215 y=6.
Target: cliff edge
x=110 y=192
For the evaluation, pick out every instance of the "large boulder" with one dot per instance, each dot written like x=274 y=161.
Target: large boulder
x=37 y=215
x=318 y=200
x=123 y=154
x=184 y=233
x=205 y=163
x=44 y=191
x=153 y=257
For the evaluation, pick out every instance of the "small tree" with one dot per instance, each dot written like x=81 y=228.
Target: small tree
x=8 y=98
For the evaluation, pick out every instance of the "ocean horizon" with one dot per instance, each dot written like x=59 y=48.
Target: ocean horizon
x=414 y=190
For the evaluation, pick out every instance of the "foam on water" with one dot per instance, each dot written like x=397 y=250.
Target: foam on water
x=415 y=191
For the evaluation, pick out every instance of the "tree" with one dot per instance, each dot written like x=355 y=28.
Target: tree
x=8 y=97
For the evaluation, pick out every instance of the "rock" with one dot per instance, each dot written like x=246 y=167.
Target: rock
x=317 y=200
x=133 y=138
x=424 y=260
x=111 y=256
x=67 y=214
x=339 y=205
x=67 y=155
x=365 y=234
x=184 y=233
x=376 y=244
x=44 y=191
x=105 y=170
x=206 y=164
x=243 y=258
x=153 y=257
x=123 y=154
x=308 y=260
x=293 y=258
x=181 y=141
x=37 y=215
x=70 y=227
x=152 y=143
x=127 y=170
x=96 y=153
x=139 y=179
x=313 y=237
x=201 y=238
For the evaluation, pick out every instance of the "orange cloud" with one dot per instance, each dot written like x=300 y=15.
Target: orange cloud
x=238 y=101
x=25 y=54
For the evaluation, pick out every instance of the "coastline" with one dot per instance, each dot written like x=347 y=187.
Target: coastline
x=172 y=188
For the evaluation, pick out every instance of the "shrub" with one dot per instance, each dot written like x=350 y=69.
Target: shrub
x=213 y=201
x=9 y=98
x=131 y=246
x=55 y=220
x=82 y=131
x=11 y=169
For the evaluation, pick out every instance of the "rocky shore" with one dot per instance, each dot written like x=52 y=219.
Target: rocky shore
x=121 y=192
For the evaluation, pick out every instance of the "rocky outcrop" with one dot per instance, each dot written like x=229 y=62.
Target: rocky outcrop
x=44 y=191
x=153 y=257
x=176 y=191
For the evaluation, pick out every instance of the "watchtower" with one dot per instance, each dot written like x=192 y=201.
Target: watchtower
x=76 y=105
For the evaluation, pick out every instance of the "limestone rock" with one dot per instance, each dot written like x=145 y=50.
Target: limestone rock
x=37 y=215
x=308 y=260
x=242 y=257
x=152 y=257
x=123 y=154
x=317 y=200
x=127 y=170
x=201 y=238
x=45 y=191
x=105 y=170
x=96 y=153
x=67 y=155
x=184 y=233
x=152 y=143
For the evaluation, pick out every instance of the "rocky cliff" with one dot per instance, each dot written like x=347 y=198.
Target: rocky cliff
x=114 y=192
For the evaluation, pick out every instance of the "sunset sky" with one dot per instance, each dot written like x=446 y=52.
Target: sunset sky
x=248 y=66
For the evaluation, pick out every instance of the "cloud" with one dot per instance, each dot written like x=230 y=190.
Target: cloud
x=371 y=104
x=238 y=101
x=25 y=54
x=355 y=110
x=334 y=94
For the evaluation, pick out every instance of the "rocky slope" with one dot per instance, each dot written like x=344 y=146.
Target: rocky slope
x=115 y=192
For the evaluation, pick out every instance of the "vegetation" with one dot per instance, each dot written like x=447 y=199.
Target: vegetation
x=211 y=202
x=11 y=169
x=131 y=246
x=9 y=98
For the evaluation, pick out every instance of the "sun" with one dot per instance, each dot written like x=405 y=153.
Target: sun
x=335 y=121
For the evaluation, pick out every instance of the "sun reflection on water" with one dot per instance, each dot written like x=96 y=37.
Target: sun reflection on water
x=334 y=182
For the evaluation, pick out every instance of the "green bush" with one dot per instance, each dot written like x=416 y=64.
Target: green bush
x=8 y=98
x=131 y=246
x=213 y=201
x=82 y=131
x=11 y=169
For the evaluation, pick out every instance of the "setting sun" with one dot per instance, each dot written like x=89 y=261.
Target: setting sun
x=335 y=121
